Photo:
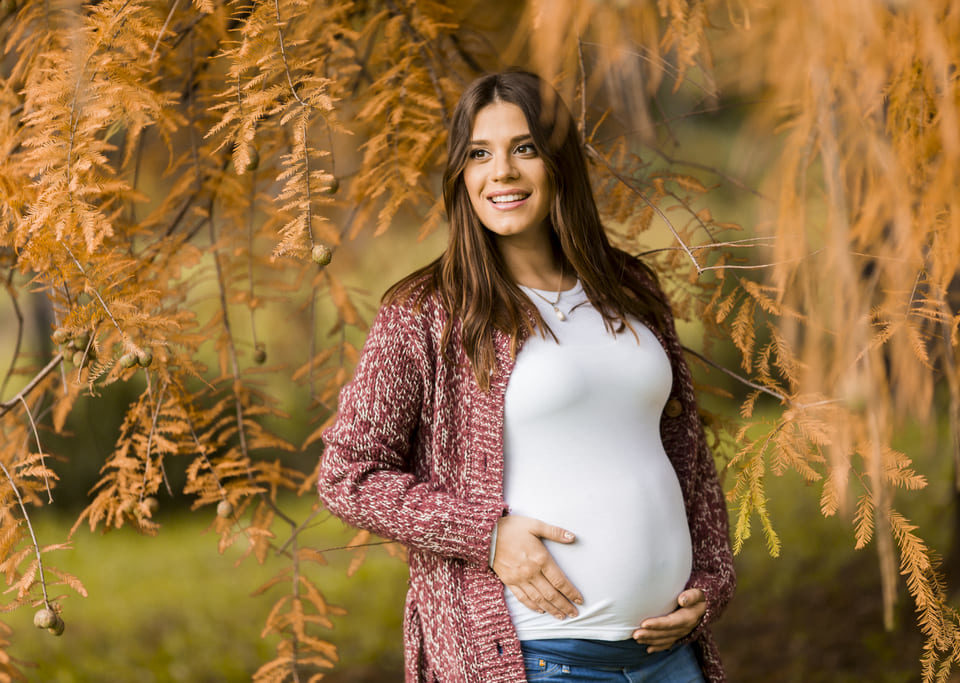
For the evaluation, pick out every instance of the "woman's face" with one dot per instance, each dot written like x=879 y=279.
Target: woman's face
x=505 y=176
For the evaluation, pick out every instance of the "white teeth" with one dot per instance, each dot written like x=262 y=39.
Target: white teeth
x=504 y=198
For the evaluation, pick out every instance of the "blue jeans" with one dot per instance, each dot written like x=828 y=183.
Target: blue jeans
x=676 y=665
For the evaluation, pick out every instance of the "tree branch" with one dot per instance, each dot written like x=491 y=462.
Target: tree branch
x=48 y=368
x=594 y=154
x=743 y=380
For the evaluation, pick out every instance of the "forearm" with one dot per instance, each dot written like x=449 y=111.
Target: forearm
x=394 y=505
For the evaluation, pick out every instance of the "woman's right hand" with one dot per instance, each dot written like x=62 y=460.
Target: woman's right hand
x=525 y=566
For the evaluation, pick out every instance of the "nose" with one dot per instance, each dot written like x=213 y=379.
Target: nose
x=503 y=167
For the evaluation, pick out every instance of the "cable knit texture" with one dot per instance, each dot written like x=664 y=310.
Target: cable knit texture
x=416 y=455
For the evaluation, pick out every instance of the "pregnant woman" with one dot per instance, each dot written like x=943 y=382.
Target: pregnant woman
x=523 y=420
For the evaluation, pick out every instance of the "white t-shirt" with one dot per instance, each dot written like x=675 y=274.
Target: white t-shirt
x=582 y=451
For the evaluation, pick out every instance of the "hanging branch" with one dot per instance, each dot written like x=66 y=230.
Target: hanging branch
x=33 y=424
x=33 y=535
x=235 y=366
x=153 y=429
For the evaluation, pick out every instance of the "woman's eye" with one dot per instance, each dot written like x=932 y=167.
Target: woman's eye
x=526 y=148
x=477 y=153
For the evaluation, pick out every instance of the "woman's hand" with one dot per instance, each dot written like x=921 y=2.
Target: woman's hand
x=660 y=633
x=525 y=566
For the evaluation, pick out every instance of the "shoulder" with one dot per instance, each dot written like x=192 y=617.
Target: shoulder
x=411 y=309
x=416 y=291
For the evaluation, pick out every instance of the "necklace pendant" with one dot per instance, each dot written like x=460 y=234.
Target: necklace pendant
x=560 y=314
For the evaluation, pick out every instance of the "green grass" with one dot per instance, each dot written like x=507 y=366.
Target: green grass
x=170 y=608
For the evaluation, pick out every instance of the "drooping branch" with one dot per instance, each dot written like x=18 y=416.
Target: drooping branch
x=33 y=535
x=36 y=435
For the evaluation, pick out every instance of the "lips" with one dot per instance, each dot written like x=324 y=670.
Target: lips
x=506 y=200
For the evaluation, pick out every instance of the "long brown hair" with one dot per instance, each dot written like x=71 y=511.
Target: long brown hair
x=470 y=277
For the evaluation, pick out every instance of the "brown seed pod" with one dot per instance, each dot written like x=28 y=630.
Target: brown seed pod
x=151 y=505
x=77 y=358
x=260 y=356
x=45 y=618
x=128 y=360
x=80 y=341
x=224 y=509
x=57 y=628
x=332 y=186
x=144 y=358
x=61 y=336
x=321 y=255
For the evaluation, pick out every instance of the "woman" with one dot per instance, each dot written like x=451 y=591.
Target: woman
x=522 y=419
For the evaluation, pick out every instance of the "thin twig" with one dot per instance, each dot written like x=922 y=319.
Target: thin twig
x=235 y=367
x=743 y=380
x=710 y=169
x=153 y=429
x=303 y=525
x=46 y=480
x=595 y=154
x=295 y=576
x=203 y=454
x=36 y=546
x=163 y=29
x=250 y=216
x=39 y=377
x=283 y=55
x=358 y=545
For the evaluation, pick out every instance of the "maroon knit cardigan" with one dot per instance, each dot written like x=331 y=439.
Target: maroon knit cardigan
x=416 y=455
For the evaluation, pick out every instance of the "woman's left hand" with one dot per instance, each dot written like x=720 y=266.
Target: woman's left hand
x=660 y=633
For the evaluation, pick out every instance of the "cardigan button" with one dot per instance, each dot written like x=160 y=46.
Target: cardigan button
x=673 y=408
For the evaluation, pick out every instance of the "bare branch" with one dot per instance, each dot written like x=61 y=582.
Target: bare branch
x=740 y=378
x=33 y=535
x=48 y=368
x=46 y=479
x=163 y=29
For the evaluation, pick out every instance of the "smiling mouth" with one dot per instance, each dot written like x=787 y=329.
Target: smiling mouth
x=512 y=198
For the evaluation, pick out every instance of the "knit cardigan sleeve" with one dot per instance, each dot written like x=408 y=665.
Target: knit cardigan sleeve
x=368 y=470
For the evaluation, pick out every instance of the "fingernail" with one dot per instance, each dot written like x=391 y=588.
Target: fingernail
x=567 y=535
x=579 y=601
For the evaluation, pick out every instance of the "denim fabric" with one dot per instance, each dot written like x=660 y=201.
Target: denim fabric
x=676 y=665
x=624 y=654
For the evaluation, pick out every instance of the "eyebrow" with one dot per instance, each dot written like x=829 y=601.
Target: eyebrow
x=515 y=138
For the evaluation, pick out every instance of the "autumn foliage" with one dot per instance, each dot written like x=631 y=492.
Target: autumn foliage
x=168 y=171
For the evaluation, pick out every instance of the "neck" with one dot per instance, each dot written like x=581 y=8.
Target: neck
x=531 y=262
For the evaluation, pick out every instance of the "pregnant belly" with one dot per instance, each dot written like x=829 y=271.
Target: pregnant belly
x=631 y=559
